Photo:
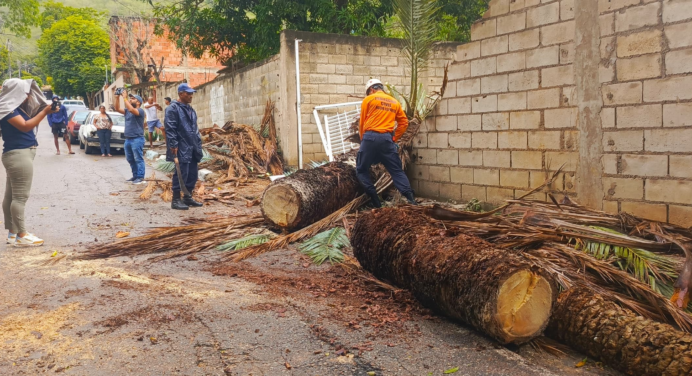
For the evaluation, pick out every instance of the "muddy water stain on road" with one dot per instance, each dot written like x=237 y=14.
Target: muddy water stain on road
x=127 y=316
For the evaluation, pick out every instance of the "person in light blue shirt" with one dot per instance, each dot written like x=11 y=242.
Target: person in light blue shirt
x=134 y=135
x=58 y=125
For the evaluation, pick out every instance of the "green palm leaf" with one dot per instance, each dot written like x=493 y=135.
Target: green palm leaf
x=326 y=246
x=244 y=242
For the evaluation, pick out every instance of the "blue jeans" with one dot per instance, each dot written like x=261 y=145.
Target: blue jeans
x=104 y=140
x=134 y=153
x=380 y=148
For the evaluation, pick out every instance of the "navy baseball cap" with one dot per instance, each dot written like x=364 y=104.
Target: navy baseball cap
x=186 y=88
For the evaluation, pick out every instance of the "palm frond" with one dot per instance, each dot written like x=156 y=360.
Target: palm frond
x=244 y=242
x=326 y=246
x=164 y=166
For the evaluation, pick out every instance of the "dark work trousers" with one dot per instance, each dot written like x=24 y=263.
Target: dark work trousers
x=380 y=148
x=189 y=172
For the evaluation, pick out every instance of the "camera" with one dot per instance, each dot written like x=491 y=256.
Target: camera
x=55 y=106
x=119 y=91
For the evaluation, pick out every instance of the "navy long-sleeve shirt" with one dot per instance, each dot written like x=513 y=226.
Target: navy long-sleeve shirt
x=58 y=117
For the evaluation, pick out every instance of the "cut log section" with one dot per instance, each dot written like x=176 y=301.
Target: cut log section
x=307 y=196
x=461 y=276
x=620 y=338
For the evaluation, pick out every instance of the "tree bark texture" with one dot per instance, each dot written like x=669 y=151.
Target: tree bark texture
x=309 y=195
x=617 y=336
x=460 y=276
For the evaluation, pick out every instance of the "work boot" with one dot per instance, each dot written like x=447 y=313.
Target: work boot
x=177 y=203
x=189 y=201
x=411 y=200
x=375 y=201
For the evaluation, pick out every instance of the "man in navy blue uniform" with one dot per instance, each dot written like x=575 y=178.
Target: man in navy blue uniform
x=58 y=125
x=184 y=142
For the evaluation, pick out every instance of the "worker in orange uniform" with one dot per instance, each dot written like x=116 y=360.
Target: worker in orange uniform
x=382 y=123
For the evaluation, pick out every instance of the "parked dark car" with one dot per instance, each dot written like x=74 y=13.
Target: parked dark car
x=75 y=120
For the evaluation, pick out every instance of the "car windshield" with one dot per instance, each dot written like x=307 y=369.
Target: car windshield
x=80 y=116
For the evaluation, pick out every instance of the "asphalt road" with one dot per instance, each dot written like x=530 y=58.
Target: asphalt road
x=132 y=317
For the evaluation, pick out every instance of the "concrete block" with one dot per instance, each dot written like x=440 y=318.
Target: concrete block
x=484 y=140
x=521 y=4
x=557 y=76
x=561 y=118
x=606 y=23
x=623 y=141
x=543 y=15
x=512 y=140
x=645 y=116
x=446 y=123
x=469 y=87
x=566 y=10
x=636 y=68
x=459 y=70
x=637 y=17
x=459 y=106
x=461 y=140
x=675 y=140
x=483 y=67
x=438 y=140
x=326 y=68
x=473 y=192
x=511 y=101
x=420 y=141
x=497 y=8
x=525 y=120
x=523 y=80
x=450 y=192
x=461 y=175
x=494 y=84
x=610 y=5
x=496 y=121
x=494 y=46
x=623 y=188
x=483 y=29
x=496 y=195
x=679 y=35
x=318 y=78
x=644 y=165
x=610 y=207
x=532 y=160
x=644 y=42
x=537 y=178
x=511 y=62
x=541 y=57
x=486 y=177
x=470 y=157
x=469 y=123
x=568 y=159
x=345 y=89
x=625 y=93
x=680 y=166
x=543 y=140
x=428 y=189
x=567 y=53
x=418 y=171
x=680 y=215
x=524 y=40
x=448 y=157
x=606 y=74
x=676 y=10
x=678 y=62
x=677 y=115
x=390 y=61
x=668 y=89
x=545 y=98
x=486 y=103
x=514 y=178
x=557 y=33
x=496 y=158
x=654 y=212
x=439 y=173
x=610 y=164
x=669 y=191
x=468 y=51
x=426 y=156
x=511 y=23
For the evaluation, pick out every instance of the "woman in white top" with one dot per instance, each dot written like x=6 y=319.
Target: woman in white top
x=103 y=124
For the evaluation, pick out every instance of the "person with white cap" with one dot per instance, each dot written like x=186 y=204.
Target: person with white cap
x=183 y=142
x=134 y=135
x=22 y=107
x=382 y=123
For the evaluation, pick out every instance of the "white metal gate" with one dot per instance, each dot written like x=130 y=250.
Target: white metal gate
x=336 y=127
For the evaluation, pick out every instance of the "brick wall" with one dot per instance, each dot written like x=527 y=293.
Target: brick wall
x=520 y=108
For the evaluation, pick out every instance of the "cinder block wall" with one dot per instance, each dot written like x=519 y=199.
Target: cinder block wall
x=616 y=108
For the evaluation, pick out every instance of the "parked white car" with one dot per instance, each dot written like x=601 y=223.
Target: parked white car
x=74 y=105
x=89 y=140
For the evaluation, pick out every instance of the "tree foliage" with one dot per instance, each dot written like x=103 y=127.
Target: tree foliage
x=74 y=52
x=19 y=15
x=249 y=29
x=53 y=12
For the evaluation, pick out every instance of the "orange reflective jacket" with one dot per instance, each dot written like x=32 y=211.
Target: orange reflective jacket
x=381 y=113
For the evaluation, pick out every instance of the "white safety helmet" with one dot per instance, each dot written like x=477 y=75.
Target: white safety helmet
x=372 y=82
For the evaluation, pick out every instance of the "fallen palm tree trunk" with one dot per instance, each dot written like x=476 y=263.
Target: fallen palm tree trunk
x=463 y=277
x=307 y=196
x=618 y=337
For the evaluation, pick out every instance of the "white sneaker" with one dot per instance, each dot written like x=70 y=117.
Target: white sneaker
x=29 y=240
x=11 y=238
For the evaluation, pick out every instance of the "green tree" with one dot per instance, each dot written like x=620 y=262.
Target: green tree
x=74 y=51
x=18 y=16
x=53 y=12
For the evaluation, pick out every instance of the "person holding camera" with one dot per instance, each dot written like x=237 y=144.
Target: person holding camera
x=134 y=133
x=58 y=125
x=22 y=107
